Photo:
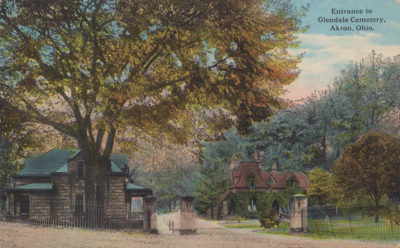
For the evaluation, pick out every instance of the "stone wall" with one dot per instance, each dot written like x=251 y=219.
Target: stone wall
x=39 y=207
x=62 y=202
x=115 y=198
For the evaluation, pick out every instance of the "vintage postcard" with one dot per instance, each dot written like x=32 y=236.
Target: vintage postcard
x=199 y=123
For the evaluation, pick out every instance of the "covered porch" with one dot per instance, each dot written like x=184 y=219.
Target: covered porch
x=30 y=201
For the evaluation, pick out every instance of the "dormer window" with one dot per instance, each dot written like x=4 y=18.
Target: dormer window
x=81 y=169
x=271 y=180
x=251 y=182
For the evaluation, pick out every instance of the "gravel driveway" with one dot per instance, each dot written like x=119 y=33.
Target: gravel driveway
x=210 y=234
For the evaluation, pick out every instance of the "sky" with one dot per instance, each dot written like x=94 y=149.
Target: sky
x=328 y=51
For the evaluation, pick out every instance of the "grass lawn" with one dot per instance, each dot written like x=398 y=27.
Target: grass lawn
x=242 y=225
x=360 y=229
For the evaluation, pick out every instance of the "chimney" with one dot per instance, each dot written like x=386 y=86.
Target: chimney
x=125 y=170
x=274 y=167
x=257 y=156
x=233 y=163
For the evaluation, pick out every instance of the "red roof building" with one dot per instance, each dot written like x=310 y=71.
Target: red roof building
x=250 y=176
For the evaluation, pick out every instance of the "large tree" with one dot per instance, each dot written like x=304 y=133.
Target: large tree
x=370 y=166
x=91 y=69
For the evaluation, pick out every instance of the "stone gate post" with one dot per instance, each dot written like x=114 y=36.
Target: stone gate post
x=298 y=214
x=150 y=214
x=188 y=220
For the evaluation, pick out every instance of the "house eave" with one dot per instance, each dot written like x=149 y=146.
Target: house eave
x=31 y=176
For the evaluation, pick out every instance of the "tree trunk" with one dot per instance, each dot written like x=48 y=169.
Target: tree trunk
x=377 y=210
x=90 y=187
x=96 y=173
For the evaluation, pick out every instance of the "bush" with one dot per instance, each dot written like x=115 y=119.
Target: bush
x=268 y=216
x=269 y=219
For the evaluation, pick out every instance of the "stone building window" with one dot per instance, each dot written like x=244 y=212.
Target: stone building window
x=81 y=169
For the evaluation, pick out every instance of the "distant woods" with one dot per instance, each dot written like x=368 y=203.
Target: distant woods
x=316 y=131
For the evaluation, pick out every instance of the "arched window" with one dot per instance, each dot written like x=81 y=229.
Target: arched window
x=252 y=205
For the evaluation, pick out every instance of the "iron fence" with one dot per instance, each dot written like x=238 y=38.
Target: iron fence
x=356 y=222
x=77 y=214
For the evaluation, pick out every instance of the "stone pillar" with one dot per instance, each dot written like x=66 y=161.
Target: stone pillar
x=150 y=214
x=188 y=221
x=298 y=214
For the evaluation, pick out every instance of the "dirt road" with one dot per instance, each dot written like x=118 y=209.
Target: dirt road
x=210 y=234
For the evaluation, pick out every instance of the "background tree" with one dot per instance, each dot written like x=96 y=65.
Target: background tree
x=322 y=188
x=215 y=169
x=370 y=166
x=212 y=184
x=315 y=132
x=90 y=69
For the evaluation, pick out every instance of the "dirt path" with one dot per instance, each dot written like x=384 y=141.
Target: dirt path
x=210 y=234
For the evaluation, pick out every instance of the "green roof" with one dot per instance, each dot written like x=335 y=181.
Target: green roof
x=63 y=169
x=120 y=160
x=114 y=167
x=130 y=186
x=33 y=187
x=56 y=160
x=45 y=164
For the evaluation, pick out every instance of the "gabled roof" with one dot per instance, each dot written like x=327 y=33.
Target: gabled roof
x=265 y=180
x=137 y=190
x=45 y=164
x=120 y=160
x=246 y=170
x=56 y=161
x=131 y=186
x=115 y=168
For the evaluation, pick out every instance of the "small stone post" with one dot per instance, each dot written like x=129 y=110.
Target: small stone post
x=298 y=214
x=150 y=214
x=188 y=221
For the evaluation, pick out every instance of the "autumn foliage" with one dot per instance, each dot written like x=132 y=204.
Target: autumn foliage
x=370 y=166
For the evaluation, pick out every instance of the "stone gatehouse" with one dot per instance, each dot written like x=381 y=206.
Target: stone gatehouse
x=52 y=186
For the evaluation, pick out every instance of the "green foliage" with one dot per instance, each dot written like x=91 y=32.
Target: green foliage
x=241 y=202
x=316 y=132
x=322 y=188
x=370 y=166
x=170 y=184
x=266 y=214
x=211 y=186
x=392 y=213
